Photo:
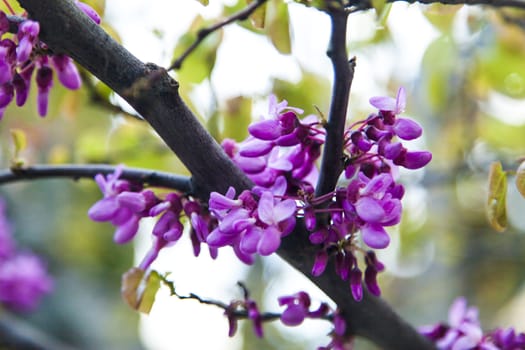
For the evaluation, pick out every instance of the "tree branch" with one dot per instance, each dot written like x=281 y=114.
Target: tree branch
x=359 y=5
x=88 y=171
x=494 y=3
x=332 y=162
x=66 y=29
x=147 y=88
x=204 y=32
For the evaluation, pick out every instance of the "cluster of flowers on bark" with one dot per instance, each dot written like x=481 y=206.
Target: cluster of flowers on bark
x=280 y=157
x=23 y=276
x=22 y=54
x=125 y=203
x=463 y=332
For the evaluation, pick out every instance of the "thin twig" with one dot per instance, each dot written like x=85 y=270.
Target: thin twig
x=494 y=3
x=360 y=5
x=332 y=162
x=237 y=313
x=204 y=32
x=88 y=171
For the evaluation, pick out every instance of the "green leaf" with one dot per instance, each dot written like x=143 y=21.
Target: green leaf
x=204 y=2
x=311 y=91
x=278 y=26
x=148 y=296
x=520 y=178
x=501 y=67
x=258 y=17
x=19 y=140
x=237 y=118
x=496 y=203
x=199 y=64
x=378 y=5
x=439 y=61
x=139 y=290
x=441 y=16
x=130 y=283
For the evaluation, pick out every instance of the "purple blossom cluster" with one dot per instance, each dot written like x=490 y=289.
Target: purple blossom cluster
x=23 y=276
x=23 y=53
x=279 y=156
x=297 y=309
x=281 y=151
x=463 y=332
x=125 y=203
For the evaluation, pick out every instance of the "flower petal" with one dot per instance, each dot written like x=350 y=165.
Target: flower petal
x=375 y=236
x=269 y=242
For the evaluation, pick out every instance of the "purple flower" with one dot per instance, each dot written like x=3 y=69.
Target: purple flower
x=407 y=129
x=27 y=38
x=297 y=308
x=67 y=71
x=6 y=94
x=89 y=11
x=23 y=281
x=390 y=104
x=121 y=206
x=508 y=339
x=272 y=213
x=355 y=284
x=44 y=81
x=463 y=332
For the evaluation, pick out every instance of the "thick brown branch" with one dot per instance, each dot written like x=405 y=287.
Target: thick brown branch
x=359 y=5
x=494 y=3
x=147 y=88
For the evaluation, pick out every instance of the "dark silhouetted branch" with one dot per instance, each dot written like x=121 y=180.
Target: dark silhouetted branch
x=332 y=162
x=88 y=171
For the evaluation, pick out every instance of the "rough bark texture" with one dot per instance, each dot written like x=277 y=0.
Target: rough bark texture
x=154 y=95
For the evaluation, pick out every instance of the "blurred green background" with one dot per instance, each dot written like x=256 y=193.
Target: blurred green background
x=464 y=71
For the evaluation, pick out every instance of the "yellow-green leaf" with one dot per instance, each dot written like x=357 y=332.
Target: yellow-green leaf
x=520 y=178
x=139 y=290
x=496 y=203
x=237 y=118
x=378 y=5
x=199 y=64
x=19 y=140
x=130 y=283
x=258 y=16
x=204 y=2
x=278 y=26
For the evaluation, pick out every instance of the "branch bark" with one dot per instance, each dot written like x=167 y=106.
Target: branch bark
x=332 y=162
x=72 y=171
x=360 y=5
x=154 y=95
